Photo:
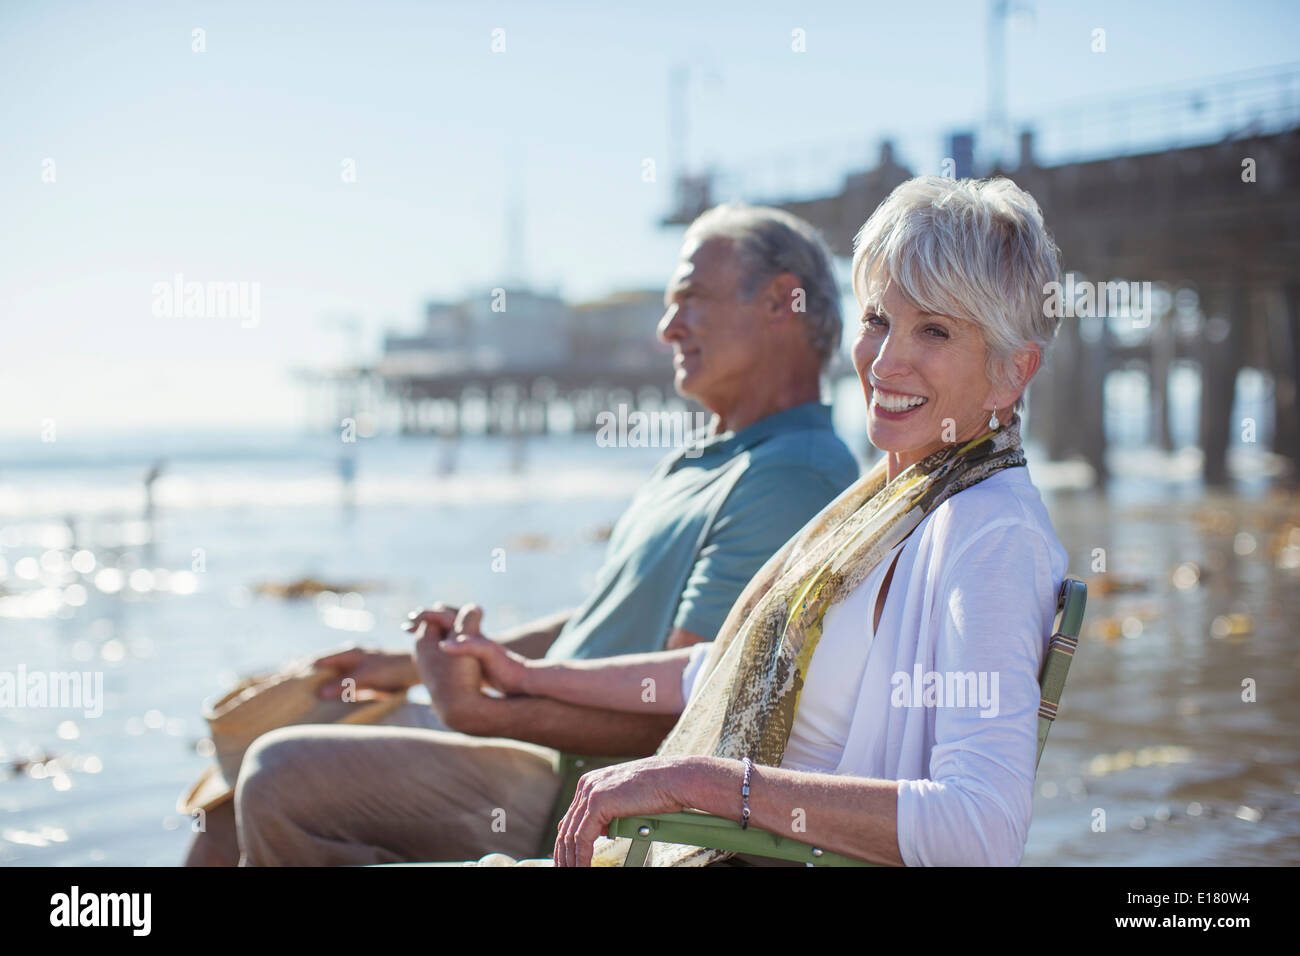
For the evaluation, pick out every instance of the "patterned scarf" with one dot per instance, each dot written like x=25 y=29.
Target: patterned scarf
x=745 y=699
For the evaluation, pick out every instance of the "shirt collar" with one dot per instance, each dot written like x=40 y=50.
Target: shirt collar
x=797 y=418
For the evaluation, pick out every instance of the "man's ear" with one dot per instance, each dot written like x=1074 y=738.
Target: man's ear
x=784 y=295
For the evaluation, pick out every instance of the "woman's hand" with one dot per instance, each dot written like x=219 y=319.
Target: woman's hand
x=505 y=670
x=651 y=785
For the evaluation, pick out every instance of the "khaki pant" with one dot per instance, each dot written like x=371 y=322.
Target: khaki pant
x=339 y=795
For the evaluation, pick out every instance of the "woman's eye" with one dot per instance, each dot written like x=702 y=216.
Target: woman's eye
x=870 y=318
x=941 y=332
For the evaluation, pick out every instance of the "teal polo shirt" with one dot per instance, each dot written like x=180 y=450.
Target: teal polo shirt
x=701 y=526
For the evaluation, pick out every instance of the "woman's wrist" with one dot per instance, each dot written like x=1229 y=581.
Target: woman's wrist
x=538 y=677
x=711 y=784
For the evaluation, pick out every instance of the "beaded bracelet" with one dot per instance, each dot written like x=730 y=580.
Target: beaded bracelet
x=744 y=794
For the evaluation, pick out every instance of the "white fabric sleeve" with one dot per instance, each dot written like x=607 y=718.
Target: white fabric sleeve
x=975 y=806
x=692 y=669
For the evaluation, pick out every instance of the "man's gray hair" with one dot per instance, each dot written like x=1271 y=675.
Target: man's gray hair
x=769 y=242
x=970 y=249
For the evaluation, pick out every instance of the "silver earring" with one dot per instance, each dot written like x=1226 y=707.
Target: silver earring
x=993 y=419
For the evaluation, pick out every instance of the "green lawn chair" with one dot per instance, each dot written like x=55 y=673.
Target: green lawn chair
x=694 y=828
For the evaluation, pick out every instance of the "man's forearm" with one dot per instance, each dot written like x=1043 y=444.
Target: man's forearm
x=569 y=727
x=535 y=638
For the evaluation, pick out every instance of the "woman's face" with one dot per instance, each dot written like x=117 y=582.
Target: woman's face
x=924 y=379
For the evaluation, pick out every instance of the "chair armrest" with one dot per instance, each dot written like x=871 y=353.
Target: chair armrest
x=694 y=828
x=569 y=768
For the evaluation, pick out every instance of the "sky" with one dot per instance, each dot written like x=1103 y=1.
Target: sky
x=130 y=157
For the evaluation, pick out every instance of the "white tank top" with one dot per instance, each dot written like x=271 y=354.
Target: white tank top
x=831 y=688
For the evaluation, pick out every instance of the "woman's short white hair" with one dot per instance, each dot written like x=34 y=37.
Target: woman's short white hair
x=970 y=249
x=769 y=242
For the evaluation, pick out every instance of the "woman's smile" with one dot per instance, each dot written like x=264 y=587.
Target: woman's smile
x=895 y=406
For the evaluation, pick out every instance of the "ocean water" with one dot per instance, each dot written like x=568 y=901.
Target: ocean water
x=244 y=511
x=1155 y=758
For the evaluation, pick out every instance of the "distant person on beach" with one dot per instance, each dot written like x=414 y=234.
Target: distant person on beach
x=752 y=314
x=154 y=473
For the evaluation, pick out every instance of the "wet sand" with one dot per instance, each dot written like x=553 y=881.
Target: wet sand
x=1199 y=596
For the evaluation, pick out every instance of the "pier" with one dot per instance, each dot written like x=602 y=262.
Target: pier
x=1213 y=227
x=509 y=361
x=1197 y=211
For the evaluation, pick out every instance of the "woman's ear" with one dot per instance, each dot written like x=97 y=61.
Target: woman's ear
x=1026 y=362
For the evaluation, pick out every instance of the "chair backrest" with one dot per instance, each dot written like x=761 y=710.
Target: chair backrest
x=1070 y=604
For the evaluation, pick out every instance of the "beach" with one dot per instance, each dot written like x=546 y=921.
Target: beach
x=1155 y=758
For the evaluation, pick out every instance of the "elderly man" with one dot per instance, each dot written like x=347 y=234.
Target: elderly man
x=753 y=317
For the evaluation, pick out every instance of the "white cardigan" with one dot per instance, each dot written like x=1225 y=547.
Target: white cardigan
x=974 y=592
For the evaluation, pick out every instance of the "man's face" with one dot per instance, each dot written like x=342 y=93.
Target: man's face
x=714 y=335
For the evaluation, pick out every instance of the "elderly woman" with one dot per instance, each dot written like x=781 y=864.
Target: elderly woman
x=876 y=684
